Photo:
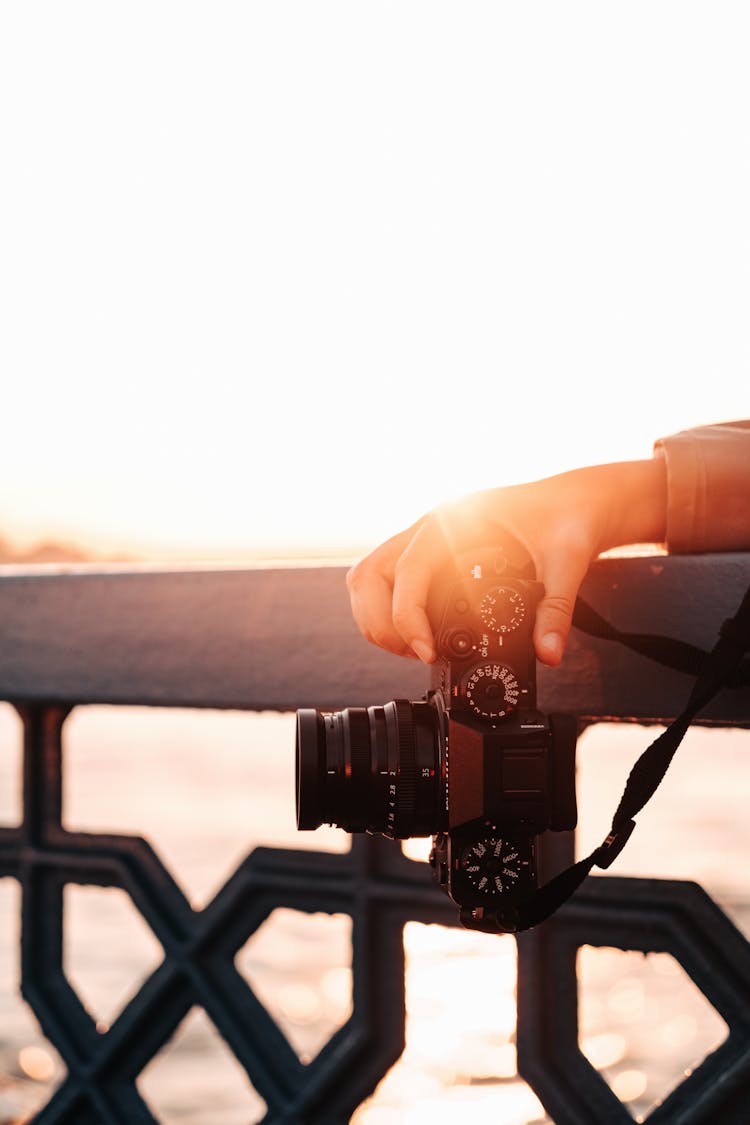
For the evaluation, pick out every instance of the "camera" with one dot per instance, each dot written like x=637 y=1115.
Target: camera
x=474 y=764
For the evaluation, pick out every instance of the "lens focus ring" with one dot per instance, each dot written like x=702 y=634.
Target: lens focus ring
x=406 y=790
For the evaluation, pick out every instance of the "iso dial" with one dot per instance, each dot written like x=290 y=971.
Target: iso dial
x=502 y=609
x=492 y=866
x=491 y=690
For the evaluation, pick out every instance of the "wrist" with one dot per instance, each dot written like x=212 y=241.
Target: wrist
x=637 y=503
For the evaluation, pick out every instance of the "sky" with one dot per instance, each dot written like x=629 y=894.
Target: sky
x=278 y=278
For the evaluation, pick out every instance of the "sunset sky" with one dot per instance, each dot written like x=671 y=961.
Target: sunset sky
x=279 y=277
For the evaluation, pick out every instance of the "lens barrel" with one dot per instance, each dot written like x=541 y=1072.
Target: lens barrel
x=373 y=769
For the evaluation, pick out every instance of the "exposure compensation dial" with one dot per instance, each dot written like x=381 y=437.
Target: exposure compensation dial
x=502 y=609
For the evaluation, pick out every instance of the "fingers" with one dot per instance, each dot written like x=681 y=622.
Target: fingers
x=415 y=570
x=370 y=585
x=388 y=591
x=562 y=573
x=371 y=595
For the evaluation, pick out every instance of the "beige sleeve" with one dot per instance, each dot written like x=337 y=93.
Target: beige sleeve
x=708 y=488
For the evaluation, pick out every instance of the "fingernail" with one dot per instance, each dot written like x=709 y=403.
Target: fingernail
x=423 y=651
x=552 y=644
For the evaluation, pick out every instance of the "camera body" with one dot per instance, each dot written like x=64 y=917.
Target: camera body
x=510 y=769
x=474 y=764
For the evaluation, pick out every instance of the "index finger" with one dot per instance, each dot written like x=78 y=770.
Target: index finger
x=425 y=555
x=370 y=585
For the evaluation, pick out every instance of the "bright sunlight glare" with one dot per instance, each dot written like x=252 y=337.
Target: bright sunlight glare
x=277 y=278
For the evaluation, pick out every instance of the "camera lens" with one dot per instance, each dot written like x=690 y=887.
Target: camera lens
x=374 y=769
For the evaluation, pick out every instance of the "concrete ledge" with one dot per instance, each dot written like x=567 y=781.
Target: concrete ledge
x=283 y=638
x=684 y=597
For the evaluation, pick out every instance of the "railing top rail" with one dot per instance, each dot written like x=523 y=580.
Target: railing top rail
x=282 y=637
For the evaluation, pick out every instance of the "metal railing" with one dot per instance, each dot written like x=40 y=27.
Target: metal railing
x=278 y=639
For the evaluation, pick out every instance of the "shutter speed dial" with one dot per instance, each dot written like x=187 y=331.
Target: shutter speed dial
x=502 y=609
x=491 y=690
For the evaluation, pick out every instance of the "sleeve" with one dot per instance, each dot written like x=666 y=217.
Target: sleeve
x=708 y=488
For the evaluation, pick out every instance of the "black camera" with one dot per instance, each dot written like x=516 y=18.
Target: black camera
x=475 y=764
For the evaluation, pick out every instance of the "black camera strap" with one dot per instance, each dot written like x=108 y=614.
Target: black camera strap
x=726 y=665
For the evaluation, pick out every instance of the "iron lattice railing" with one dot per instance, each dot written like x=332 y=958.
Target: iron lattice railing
x=374 y=884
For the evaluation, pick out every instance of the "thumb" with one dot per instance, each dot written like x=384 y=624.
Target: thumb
x=562 y=580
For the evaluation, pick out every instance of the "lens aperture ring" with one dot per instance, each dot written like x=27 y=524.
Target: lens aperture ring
x=406 y=787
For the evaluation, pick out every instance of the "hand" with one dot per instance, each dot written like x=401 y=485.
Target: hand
x=562 y=523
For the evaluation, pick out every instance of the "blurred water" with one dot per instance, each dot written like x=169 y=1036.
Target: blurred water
x=206 y=787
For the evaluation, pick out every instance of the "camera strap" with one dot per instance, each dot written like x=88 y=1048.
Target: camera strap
x=726 y=665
